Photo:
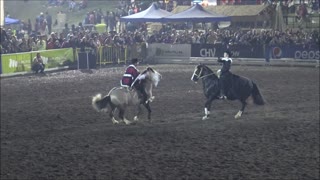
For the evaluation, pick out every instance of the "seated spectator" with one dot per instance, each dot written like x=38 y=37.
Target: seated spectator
x=37 y=64
x=41 y=44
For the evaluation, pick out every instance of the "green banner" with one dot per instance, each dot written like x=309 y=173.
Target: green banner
x=55 y=58
x=21 y=62
x=12 y=63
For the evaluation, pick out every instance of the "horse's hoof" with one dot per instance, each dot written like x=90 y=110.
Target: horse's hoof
x=127 y=122
x=114 y=121
x=205 y=118
x=136 y=118
x=238 y=115
x=151 y=98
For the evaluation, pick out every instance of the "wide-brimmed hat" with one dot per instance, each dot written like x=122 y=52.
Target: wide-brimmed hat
x=134 y=60
x=228 y=52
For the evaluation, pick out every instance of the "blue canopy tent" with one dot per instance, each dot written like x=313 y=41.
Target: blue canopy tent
x=152 y=14
x=196 y=14
x=8 y=21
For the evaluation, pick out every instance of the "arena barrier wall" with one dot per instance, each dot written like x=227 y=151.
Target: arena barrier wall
x=58 y=58
x=183 y=51
x=21 y=62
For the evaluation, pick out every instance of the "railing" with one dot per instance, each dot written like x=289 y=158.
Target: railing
x=119 y=55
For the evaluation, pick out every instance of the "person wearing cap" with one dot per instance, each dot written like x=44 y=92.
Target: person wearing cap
x=132 y=75
x=224 y=72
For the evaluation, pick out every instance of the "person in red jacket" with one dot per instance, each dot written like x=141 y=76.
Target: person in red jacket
x=132 y=78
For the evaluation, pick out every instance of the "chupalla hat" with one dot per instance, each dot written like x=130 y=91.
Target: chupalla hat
x=134 y=60
x=228 y=52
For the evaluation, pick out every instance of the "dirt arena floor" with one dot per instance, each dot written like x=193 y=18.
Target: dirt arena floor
x=49 y=129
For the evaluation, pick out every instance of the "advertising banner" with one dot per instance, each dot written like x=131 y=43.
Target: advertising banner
x=22 y=62
x=55 y=58
x=216 y=50
x=295 y=52
x=169 y=50
x=12 y=63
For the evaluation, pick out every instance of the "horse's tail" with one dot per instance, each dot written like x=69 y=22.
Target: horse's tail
x=100 y=103
x=257 y=96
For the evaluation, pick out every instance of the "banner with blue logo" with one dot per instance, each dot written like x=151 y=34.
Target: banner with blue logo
x=216 y=50
x=259 y=51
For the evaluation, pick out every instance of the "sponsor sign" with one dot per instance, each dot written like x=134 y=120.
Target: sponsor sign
x=169 y=50
x=11 y=63
x=22 y=62
x=55 y=58
x=217 y=50
x=295 y=52
x=307 y=54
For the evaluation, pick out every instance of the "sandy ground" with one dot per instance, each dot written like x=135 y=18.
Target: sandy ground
x=50 y=131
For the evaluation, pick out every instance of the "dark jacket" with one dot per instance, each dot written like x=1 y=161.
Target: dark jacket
x=226 y=65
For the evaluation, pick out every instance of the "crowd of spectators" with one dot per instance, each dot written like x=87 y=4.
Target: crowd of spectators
x=27 y=39
x=79 y=37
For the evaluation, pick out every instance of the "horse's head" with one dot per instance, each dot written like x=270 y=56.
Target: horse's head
x=200 y=72
x=152 y=75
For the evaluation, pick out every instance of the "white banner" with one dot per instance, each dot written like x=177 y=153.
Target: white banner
x=179 y=51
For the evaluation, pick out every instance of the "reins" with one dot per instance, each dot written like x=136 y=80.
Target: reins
x=206 y=75
x=200 y=77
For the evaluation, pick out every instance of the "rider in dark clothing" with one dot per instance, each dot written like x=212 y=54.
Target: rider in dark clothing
x=224 y=73
x=132 y=75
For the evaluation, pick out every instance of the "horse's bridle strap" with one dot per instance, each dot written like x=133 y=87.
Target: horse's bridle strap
x=206 y=75
x=200 y=77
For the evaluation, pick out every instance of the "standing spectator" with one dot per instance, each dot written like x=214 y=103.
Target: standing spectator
x=66 y=30
x=4 y=36
x=72 y=5
x=49 y=22
x=29 y=26
x=266 y=38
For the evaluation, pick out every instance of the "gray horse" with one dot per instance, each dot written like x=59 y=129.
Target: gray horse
x=120 y=97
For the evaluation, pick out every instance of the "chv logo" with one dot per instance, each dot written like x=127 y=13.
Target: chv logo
x=207 y=52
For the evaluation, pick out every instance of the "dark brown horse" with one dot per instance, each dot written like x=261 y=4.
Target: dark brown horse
x=240 y=88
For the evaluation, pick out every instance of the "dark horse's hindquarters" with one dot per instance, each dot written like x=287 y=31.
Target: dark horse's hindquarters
x=239 y=88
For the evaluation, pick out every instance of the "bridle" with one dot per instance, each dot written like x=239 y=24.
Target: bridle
x=199 y=74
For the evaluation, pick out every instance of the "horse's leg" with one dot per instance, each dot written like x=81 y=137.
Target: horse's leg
x=147 y=105
x=207 y=107
x=151 y=97
x=238 y=115
x=121 y=116
x=136 y=118
x=111 y=114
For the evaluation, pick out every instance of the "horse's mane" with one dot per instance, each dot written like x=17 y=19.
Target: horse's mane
x=209 y=70
x=154 y=78
x=206 y=67
x=148 y=69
